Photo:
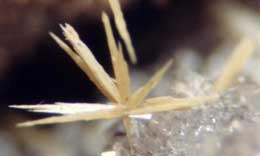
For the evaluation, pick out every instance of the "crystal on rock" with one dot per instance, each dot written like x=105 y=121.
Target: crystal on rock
x=186 y=133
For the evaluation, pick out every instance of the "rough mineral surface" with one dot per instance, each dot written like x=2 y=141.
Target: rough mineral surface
x=217 y=128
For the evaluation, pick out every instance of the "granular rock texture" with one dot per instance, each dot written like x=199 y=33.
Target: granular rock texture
x=211 y=129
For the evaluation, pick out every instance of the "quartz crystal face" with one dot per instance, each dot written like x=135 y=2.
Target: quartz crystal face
x=193 y=132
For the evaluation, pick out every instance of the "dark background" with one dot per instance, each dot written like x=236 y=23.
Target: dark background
x=40 y=72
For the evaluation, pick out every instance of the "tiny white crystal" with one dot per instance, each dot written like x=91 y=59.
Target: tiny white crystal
x=143 y=116
x=108 y=153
